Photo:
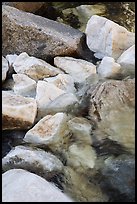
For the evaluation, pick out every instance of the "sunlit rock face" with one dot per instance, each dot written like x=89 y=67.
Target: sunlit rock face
x=107 y=38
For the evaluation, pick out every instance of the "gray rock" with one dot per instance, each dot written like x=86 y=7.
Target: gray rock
x=32 y=7
x=34 y=160
x=118 y=178
x=22 y=186
x=38 y=36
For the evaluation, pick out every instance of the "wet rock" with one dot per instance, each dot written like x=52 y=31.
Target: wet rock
x=108 y=68
x=10 y=139
x=5 y=68
x=45 y=94
x=118 y=178
x=18 y=112
x=38 y=36
x=106 y=38
x=127 y=62
x=50 y=130
x=77 y=68
x=63 y=81
x=81 y=129
x=33 y=67
x=24 y=85
x=112 y=107
x=34 y=160
x=11 y=58
x=22 y=186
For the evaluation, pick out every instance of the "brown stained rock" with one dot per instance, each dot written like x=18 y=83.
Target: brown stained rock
x=31 y=7
x=38 y=36
x=18 y=112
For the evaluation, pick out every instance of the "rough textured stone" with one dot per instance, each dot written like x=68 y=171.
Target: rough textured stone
x=108 y=68
x=106 y=38
x=45 y=94
x=33 y=67
x=49 y=130
x=34 y=160
x=77 y=68
x=5 y=68
x=127 y=62
x=23 y=85
x=38 y=36
x=18 y=112
x=22 y=186
x=32 y=7
x=63 y=81
x=112 y=107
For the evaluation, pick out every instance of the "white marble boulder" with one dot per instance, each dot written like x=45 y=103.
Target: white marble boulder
x=33 y=67
x=45 y=94
x=49 y=131
x=108 y=68
x=34 y=160
x=107 y=38
x=63 y=81
x=127 y=62
x=18 y=112
x=19 y=185
x=24 y=85
x=79 y=69
x=5 y=68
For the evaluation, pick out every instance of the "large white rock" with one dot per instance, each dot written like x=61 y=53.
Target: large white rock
x=33 y=67
x=79 y=69
x=5 y=68
x=32 y=159
x=18 y=112
x=81 y=130
x=22 y=186
x=49 y=130
x=66 y=102
x=107 y=38
x=127 y=61
x=24 y=85
x=45 y=94
x=108 y=68
x=81 y=157
x=63 y=81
